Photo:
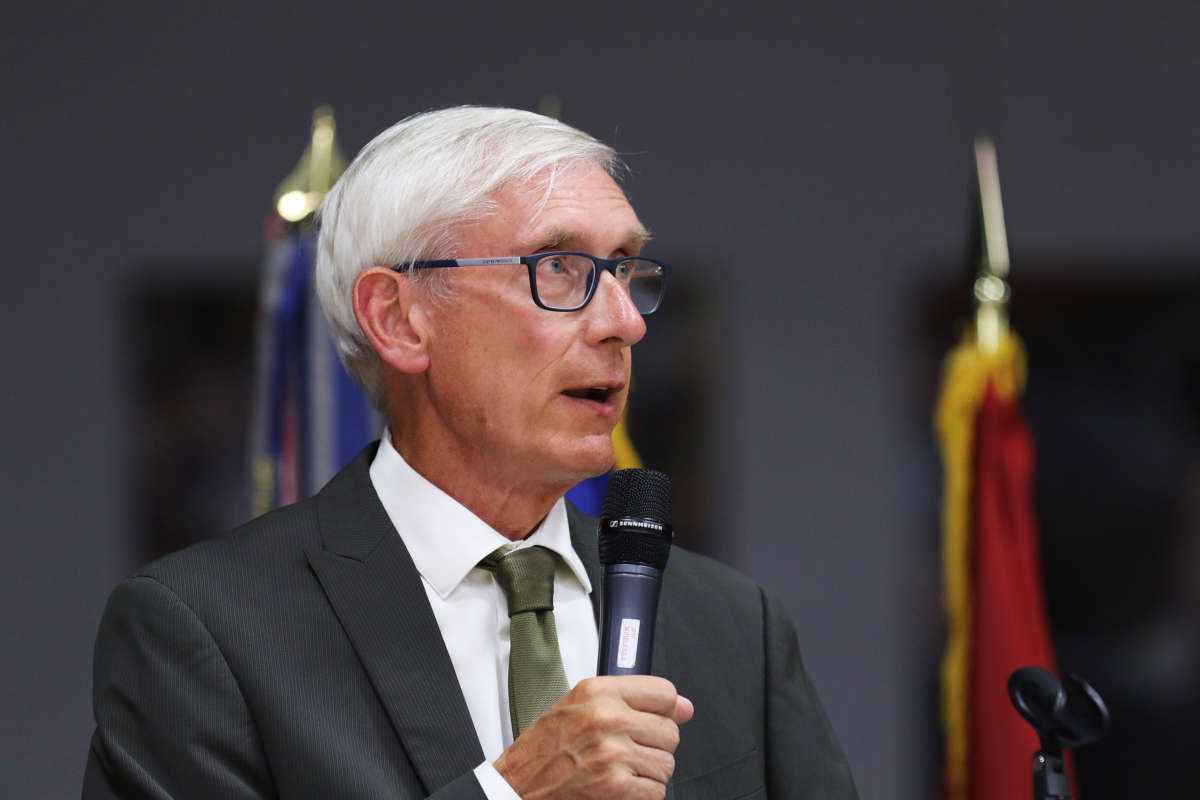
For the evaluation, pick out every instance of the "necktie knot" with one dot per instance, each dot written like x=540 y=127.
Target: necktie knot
x=526 y=576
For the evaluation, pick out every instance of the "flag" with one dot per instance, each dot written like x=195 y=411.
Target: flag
x=310 y=418
x=994 y=600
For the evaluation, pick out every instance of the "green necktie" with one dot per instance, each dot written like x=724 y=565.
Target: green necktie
x=536 y=679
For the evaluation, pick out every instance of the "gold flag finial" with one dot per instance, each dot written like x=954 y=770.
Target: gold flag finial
x=991 y=285
x=301 y=192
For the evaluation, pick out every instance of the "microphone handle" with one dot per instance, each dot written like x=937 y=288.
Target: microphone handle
x=629 y=595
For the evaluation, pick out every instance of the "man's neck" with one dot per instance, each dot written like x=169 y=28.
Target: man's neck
x=513 y=510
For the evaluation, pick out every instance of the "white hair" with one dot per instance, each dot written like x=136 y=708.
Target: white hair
x=408 y=192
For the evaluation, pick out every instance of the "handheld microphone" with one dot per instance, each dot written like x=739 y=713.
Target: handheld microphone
x=635 y=542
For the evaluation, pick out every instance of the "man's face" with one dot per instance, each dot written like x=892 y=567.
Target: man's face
x=532 y=393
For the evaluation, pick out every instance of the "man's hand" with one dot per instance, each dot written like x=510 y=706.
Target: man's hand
x=609 y=737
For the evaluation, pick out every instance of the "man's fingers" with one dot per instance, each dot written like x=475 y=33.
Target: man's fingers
x=639 y=788
x=657 y=709
x=656 y=696
x=650 y=762
x=654 y=730
x=618 y=759
x=684 y=709
x=643 y=692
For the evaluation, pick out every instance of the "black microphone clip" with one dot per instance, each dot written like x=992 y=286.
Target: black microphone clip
x=1065 y=715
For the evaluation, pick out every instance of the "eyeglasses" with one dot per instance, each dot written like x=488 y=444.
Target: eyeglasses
x=566 y=281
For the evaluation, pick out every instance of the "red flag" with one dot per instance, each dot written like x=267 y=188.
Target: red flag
x=995 y=603
x=1008 y=612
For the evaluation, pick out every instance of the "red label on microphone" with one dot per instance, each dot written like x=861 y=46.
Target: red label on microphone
x=628 y=643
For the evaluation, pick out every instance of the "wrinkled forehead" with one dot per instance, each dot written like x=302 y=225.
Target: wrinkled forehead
x=577 y=206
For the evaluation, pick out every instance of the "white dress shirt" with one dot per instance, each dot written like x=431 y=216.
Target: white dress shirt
x=447 y=542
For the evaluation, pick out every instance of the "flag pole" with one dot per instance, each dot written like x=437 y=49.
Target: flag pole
x=991 y=289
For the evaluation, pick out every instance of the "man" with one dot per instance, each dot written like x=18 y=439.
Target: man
x=482 y=273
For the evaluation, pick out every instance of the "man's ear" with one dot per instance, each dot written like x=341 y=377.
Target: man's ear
x=391 y=313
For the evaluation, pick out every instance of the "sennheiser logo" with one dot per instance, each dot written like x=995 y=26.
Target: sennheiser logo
x=645 y=524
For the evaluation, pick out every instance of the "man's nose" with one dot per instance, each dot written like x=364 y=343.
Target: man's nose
x=614 y=315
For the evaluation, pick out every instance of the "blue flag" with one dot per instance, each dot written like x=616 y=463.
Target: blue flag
x=310 y=417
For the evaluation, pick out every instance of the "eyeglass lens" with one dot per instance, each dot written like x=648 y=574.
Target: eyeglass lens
x=563 y=281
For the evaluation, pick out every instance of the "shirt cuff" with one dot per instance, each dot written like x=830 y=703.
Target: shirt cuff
x=493 y=785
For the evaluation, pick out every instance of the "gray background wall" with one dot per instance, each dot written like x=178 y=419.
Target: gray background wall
x=821 y=148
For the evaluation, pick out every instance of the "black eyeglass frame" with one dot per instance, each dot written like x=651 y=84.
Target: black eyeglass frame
x=600 y=264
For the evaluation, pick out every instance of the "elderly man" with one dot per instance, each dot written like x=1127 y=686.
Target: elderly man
x=483 y=276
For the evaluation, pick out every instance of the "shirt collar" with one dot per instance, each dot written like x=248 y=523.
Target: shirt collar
x=444 y=538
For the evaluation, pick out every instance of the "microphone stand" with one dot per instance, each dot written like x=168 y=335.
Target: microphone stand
x=1050 y=780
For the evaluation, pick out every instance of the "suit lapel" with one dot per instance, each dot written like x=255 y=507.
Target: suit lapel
x=371 y=582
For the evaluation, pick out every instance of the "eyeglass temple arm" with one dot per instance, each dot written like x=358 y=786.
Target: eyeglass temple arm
x=457 y=262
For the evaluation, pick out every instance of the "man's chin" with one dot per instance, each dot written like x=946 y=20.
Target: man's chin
x=588 y=462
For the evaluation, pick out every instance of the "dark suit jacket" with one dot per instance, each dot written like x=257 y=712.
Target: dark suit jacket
x=299 y=658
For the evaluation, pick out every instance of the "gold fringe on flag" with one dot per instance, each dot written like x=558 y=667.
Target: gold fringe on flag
x=966 y=373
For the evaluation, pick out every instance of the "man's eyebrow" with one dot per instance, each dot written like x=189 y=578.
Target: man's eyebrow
x=637 y=238
x=556 y=238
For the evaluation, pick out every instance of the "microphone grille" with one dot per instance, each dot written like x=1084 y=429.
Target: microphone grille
x=644 y=493
x=635 y=522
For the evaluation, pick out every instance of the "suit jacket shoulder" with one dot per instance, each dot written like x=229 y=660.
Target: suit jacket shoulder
x=267 y=664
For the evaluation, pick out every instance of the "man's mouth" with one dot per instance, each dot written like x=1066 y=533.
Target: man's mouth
x=597 y=394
